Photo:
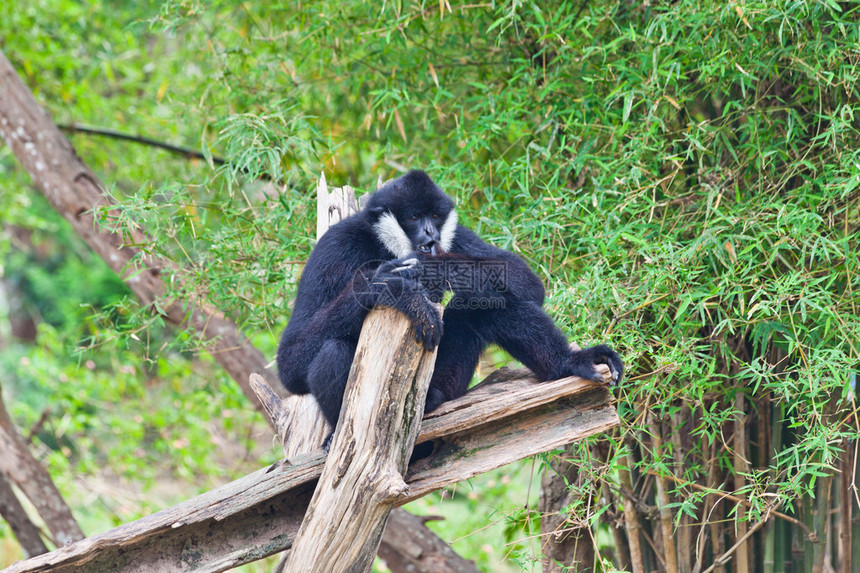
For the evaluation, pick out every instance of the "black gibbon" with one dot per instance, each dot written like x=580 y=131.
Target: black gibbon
x=403 y=251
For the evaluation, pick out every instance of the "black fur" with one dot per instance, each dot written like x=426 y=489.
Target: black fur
x=497 y=299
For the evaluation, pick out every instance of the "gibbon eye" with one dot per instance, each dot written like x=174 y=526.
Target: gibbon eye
x=435 y=215
x=414 y=217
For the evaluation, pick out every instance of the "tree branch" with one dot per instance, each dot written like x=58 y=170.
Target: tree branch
x=19 y=466
x=186 y=152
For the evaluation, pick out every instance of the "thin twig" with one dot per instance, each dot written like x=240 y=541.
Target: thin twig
x=723 y=559
x=37 y=427
x=113 y=134
x=186 y=152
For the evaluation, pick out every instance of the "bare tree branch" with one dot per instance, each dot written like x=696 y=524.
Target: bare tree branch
x=409 y=545
x=186 y=152
x=26 y=532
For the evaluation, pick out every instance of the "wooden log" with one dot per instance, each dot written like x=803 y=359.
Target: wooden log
x=363 y=476
x=409 y=545
x=304 y=427
x=259 y=515
x=333 y=205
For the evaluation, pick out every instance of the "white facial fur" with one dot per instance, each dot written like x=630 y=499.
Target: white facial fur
x=397 y=241
x=393 y=236
x=446 y=234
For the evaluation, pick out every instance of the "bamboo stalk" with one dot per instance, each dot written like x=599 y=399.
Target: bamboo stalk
x=669 y=554
x=775 y=547
x=715 y=512
x=821 y=520
x=739 y=458
x=725 y=495
x=855 y=524
x=679 y=452
x=632 y=524
x=846 y=506
x=779 y=529
x=801 y=556
x=701 y=520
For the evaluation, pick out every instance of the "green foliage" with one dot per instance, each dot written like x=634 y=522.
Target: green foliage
x=57 y=276
x=116 y=424
x=684 y=176
x=488 y=518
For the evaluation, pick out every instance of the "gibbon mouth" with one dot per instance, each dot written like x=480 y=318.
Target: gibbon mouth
x=428 y=248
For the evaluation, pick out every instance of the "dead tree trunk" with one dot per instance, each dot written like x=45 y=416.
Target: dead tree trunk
x=363 y=476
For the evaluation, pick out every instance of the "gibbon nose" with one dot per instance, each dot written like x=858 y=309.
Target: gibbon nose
x=429 y=238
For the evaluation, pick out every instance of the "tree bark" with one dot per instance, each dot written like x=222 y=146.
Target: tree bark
x=409 y=545
x=363 y=476
x=26 y=532
x=76 y=193
x=19 y=466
